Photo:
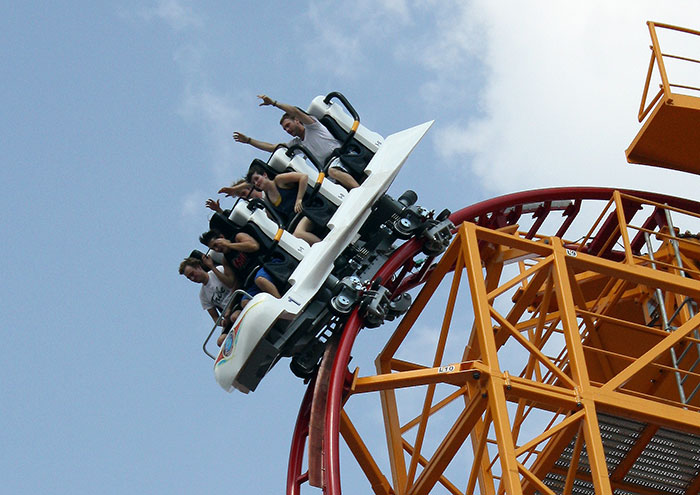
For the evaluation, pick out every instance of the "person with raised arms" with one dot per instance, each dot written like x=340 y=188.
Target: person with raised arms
x=307 y=131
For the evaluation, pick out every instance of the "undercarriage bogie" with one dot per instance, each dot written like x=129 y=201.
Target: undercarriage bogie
x=354 y=271
x=357 y=267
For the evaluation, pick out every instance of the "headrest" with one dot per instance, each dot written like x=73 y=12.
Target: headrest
x=240 y=214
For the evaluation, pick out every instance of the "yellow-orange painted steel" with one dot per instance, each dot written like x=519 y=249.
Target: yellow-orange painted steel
x=449 y=447
x=694 y=487
x=442 y=479
x=496 y=395
x=573 y=466
x=481 y=464
x=394 y=440
x=532 y=348
x=640 y=444
x=380 y=485
x=623 y=226
x=529 y=476
x=383 y=366
x=539 y=439
x=670 y=136
x=516 y=280
x=645 y=360
x=590 y=347
x=479 y=446
x=577 y=361
x=445 y=402
x=428 y=401
x=457 y=376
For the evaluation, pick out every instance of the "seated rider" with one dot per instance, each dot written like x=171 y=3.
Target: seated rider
x=280 y=193
x=239 y=261
x=284 y=198
x=215 y=293
x=307 y=131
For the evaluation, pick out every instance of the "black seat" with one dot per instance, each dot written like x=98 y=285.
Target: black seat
x=277 y=262
x=221 y=223
x=354 y=155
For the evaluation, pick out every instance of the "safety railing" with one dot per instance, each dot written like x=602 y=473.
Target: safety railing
x=614 y=227
x=657 y=61
x=220 y=321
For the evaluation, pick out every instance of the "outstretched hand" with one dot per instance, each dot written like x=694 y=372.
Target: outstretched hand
x=239 y=137
x=266 y=100
x=213 y=205
x=228 y=191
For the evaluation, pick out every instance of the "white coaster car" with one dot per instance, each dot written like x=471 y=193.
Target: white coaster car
x=246 y=353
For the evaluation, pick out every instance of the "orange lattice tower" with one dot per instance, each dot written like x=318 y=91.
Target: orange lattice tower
x=554 y=348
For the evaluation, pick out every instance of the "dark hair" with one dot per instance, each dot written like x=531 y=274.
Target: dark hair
x=193 y=262
x=289 y=116
x=255 y=168
x=196 y=253
x=285 y=117
x=209 y=236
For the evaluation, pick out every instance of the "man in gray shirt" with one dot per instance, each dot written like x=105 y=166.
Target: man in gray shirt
x=308 y=132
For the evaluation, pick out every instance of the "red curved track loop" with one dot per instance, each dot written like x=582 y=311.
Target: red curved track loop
x=493 y=213
x=295 y=477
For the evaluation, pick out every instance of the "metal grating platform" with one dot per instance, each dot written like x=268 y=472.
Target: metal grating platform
x=668 y=464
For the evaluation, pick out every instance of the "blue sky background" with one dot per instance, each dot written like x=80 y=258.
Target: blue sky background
x=116 y=126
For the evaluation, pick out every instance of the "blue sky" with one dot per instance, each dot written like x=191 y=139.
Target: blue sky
x=116 y=126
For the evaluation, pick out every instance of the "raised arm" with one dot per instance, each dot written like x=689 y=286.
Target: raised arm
x=261 y=145
x=302 y=117
x=240 y=189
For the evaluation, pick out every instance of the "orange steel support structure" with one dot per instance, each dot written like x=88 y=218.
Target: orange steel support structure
x=670 y=136
x=554 y=348
x=557 y=367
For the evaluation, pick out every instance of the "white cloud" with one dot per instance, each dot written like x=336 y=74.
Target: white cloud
x=396 y=9
x=216 y=114
x=177 y=14
x=193 y=207
x=345 y=41
x=211 y=111
x=455 y=38
x=332 y=48
x=563 y=83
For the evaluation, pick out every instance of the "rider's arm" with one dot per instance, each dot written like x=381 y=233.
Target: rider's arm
x=255 y=143
x=302 y=117
x=286 y=179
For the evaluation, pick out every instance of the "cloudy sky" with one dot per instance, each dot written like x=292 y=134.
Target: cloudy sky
x=116 y=127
